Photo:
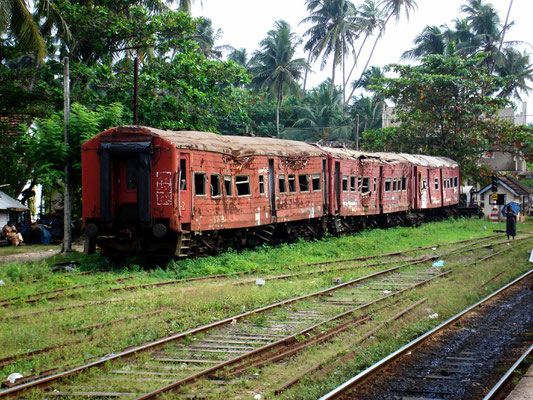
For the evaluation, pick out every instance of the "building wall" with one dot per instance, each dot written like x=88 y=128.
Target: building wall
x=487 y=205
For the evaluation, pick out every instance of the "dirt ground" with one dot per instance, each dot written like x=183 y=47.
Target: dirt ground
x=29 y=254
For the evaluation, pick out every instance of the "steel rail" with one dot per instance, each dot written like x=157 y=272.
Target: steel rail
x=340 y=390
x=505 y=379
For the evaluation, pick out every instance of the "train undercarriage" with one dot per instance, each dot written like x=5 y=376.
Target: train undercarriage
x=166 y=244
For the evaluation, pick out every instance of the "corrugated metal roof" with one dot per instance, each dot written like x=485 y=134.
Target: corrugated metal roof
x=9 y=203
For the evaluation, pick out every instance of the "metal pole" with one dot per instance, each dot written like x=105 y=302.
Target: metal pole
x=356 y=131
x=135 y=89
x=67 y=209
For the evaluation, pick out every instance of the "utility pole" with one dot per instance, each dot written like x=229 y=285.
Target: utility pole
x=135 y=89
x=67 y=211
x=356 y=131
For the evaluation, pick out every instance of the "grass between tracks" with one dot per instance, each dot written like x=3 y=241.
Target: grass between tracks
x=185 y=305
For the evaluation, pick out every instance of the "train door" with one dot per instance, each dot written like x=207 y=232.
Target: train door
x=184 y=188
x=272 y=186
x=337 y=187
x=125 y=185
x=325 y=186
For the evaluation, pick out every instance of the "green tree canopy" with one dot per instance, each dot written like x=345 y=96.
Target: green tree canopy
x=446 y=108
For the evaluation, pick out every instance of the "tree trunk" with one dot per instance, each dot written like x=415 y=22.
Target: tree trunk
x=67 y=226
x=278 y=105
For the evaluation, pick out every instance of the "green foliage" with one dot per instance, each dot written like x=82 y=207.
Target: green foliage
x=47 y=150
x=445 y=108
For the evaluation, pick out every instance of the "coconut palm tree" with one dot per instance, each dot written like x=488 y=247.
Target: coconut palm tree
x=274 y=68
x=390 y=8
x=334 y=31
x=320 y=117
x=205 y=36
x=432 y=40
x=239 y=56
x=16 y=19
x=368 y=19
x=517 y=66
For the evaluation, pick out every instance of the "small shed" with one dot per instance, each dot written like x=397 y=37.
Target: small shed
x=509 y=189
x=11 y=210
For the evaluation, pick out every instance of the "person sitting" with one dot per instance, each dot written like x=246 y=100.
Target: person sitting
x=10 y=233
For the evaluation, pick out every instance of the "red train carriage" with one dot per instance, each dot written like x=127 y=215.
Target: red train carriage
x=184 y=193
x=147 y=190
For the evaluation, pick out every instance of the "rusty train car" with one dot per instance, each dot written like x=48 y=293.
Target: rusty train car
x=184 y=193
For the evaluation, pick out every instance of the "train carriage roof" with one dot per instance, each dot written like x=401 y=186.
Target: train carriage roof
x=236 y=146
x=402 y=158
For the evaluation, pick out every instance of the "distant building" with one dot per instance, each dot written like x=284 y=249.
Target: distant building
x=12 y=210
x=509 y=189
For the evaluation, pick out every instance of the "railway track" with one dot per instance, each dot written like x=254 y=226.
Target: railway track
x=447 y=362
x=11 y=359
x=182 y=358
x=175 y=361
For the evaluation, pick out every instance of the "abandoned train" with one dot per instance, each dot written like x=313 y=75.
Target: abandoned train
x=149 y=191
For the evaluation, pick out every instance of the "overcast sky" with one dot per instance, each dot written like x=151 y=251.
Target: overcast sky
x=244 y=23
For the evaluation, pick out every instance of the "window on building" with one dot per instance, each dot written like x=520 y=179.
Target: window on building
x=388 y=184
x=228 y=186
x=215 y=185
x=292 y=183
x=315 y=179
x=303 y=181
x=344 y=183
x=281 y=183
x=242 y=185
x=199 y=183
x=261 y=184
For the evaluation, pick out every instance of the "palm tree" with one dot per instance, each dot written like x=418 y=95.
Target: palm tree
x=320 y=116
x=239 y=56
x=391 y=8
x=274 y=68
x=16 y=19
x=432 y=40
x=185 y=5
x=368 y=19
x=205 y=36
x=515 y=65
x=334 y=31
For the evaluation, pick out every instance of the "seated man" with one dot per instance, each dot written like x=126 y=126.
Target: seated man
x=10 y=233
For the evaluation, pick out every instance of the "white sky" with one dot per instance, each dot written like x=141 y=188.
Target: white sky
x=244 y=23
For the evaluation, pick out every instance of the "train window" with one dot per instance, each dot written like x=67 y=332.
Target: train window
x=242 y=185
x=315 y=178
x=353 y=188
x=303 y=181
x=404 y=183
x=436 y=183
x=344 y=183
x=215 y=185
x=281 y=183
x=387 y=184
x=228 y=186
x=366 y=185
x=261 y=184
x=292 y=183
x=375 y=184
x=455 y=181
x=199 y=183
x=394 y=185
x=424 y=183
x=183 y=174
x=131 y=174
x=359 y=183
x=445 y=183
